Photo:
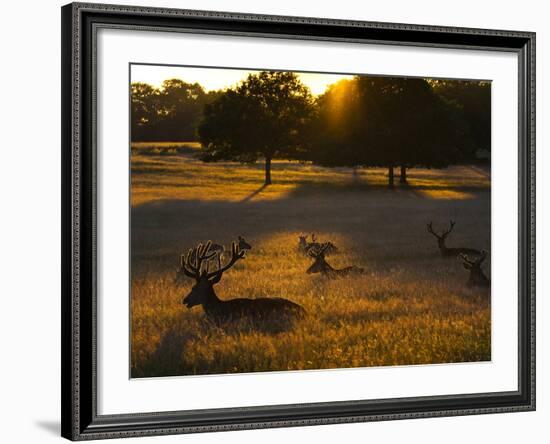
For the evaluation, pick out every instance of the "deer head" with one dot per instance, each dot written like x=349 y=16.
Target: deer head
x=320 y=264
x=477 y=277
x=204 y=279
x=243 y=245
x=441 y=238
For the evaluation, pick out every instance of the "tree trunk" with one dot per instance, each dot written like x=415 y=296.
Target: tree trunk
x=267 y=171
x=390 y=176
x=403 y=177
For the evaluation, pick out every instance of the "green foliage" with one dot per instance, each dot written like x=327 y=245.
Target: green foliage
x=169 y=113
x=263 y=117
x=471 y=103
x=383 y=121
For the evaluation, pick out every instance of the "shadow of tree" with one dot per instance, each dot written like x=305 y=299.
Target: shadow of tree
x=254 y=194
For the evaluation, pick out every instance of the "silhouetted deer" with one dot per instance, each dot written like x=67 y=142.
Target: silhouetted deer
x=306 y=246
x=320 y=265
x=449 y=252
x=259 y=313
x=477 y=277
x=243 y=245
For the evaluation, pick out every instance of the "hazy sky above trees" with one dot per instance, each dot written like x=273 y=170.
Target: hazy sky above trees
x=213 y=79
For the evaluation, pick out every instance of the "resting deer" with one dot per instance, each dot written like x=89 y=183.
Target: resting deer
x=446 y=251
x=306 y=246
x=261 y=312
x=477 y=277
x=320 y=265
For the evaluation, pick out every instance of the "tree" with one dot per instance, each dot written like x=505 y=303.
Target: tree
x=384 y=121
x=169 y=113
x=144 y=99
x=471 y=101
x=265 y=116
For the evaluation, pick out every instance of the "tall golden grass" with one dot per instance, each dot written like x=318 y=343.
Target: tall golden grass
x=410 y=307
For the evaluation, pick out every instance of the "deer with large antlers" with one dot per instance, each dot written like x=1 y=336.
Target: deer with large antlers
x=477 y=277
x=320 y=265
x=261 y=312
x=446 y=251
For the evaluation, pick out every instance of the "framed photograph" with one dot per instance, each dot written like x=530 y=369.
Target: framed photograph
x=282 y=221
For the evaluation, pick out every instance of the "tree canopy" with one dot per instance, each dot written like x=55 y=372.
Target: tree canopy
x=471 y=101
x=265 y=116
x=169 y=113
x=383 y=121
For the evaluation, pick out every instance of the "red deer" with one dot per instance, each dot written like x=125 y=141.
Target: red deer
x=320 y=265
x=477 y=277
x=446 y=251
x=276 y=313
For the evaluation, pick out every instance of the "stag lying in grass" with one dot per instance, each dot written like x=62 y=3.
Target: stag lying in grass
x=272 y=314
x=306 y=246
x=477 y=277
x=446 y=251
x=320 y=265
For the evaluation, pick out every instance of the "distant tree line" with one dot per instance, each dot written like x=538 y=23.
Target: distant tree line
x=169 y=113
x=368 y=121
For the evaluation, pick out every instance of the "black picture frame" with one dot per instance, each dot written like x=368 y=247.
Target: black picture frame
x=80 y=420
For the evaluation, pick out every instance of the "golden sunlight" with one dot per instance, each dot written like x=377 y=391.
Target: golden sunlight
x=220 y=78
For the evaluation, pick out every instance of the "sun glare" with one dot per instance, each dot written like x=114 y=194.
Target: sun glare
x=215 y=78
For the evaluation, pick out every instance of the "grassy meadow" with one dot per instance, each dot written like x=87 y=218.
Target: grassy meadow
x=410 y=307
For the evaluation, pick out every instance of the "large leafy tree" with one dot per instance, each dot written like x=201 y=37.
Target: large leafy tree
x=265 y=116
x=471 y=101
x=383 y=121
x=144 y=99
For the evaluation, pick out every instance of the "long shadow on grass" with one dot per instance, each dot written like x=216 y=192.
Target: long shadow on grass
x=167 y=359
x=161 y=230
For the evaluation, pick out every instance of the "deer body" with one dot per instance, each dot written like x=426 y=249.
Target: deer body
x=255 y=311
x=320 y=265
x=270 y=313
x=446 y=251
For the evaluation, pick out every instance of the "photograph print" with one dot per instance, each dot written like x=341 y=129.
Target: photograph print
x=288 y=221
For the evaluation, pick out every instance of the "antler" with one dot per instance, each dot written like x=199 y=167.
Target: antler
x=236 y=254
x=451 y=226
x=477 y=262
x=431 y=230
x=466 y=259
x=192 y=266
x=319 y=251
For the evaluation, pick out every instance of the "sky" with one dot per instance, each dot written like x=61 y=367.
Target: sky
x=219 y=78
